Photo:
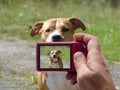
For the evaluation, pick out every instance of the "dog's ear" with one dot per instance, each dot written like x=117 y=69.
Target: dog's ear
x=49 y=52
x=29 y=27
x=77 y=23
x=35 y=28
x=59 y=51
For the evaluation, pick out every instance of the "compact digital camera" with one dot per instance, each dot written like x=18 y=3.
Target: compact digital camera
x=57 y=56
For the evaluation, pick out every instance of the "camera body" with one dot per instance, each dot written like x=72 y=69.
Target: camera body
x=47 y=55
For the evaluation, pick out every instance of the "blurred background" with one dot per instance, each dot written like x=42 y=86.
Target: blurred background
x=102 y=18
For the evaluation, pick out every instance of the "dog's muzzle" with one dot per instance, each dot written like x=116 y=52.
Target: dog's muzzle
x=54 y=56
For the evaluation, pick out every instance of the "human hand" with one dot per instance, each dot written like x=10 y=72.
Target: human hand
x=92 y=72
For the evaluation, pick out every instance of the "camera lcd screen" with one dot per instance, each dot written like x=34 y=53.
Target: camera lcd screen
x=54 y=57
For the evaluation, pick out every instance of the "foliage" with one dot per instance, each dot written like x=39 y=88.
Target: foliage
x=101 y=19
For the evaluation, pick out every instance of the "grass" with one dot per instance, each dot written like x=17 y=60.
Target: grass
x=65 y=51
x=26 y=75
x=31 y=76
x=101 y=20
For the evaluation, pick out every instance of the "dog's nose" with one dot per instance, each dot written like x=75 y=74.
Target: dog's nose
x=57 y=38
x=54 y=56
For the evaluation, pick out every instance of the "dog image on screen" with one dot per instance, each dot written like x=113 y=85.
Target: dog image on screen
x=55 y=59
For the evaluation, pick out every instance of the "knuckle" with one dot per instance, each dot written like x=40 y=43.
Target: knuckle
x=88 y=77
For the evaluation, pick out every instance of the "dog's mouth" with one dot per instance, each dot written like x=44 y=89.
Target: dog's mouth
x=57 y=38
x=54 y=56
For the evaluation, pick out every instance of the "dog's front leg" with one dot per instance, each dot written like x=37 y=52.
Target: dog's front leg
x=60 y=63
x=41 y=77
x=50 y=64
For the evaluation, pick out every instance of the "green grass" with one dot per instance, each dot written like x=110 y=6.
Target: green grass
x=101 y=20
x=23 y=74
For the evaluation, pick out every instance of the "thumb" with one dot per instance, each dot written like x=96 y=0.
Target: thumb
x=80 y=62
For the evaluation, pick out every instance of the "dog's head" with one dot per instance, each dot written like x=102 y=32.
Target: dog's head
x=54 y=54
x=57 y=29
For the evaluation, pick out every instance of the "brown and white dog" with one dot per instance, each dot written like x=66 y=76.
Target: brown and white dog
x=54 y=30
x=55 y=59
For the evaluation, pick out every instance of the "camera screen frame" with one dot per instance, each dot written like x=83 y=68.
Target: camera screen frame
x=44 y=44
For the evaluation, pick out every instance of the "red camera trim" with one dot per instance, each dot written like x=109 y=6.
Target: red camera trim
x=74 y=47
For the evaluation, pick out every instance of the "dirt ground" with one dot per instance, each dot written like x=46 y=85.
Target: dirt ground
x=18 y=68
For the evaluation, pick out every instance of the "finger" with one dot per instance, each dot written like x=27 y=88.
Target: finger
x=73 y=80
x=82 y=37
x=69 y=76
x=80 y=63
x=89 y=40
x=93 y=47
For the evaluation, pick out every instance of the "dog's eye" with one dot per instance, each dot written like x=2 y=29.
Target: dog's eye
x=65 y=30
x=48 y=30
x=56 y=53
